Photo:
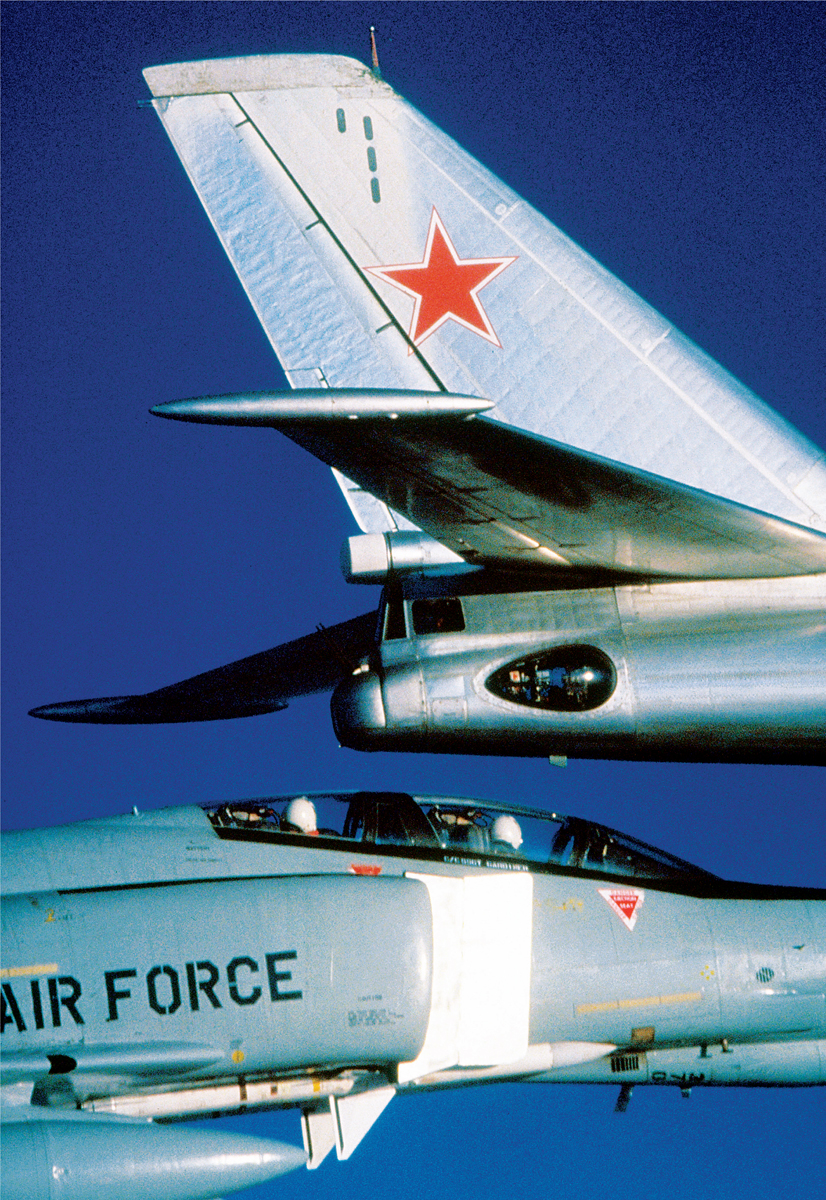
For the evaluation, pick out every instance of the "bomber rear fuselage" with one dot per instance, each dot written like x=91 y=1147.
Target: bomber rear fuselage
x=699 y=670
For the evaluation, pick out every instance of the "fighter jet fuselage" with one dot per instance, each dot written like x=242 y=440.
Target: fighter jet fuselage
x=331 y=952
x=400 y=943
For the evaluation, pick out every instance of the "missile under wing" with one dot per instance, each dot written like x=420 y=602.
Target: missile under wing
x=518 y=435
x=331 y=952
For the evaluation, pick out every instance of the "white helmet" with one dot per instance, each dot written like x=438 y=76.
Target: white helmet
x=506 y=829
x=300 y=812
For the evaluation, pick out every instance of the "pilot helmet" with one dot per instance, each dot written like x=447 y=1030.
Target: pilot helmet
x=506 y=829
x=300 y=812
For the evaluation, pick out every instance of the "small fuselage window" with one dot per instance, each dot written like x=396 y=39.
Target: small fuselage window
x=439 y=614
x=394 y=622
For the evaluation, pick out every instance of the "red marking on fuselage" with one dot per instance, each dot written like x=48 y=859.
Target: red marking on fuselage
x=625 y=902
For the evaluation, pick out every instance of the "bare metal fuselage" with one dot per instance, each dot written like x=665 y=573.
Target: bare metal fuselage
x=704 y=670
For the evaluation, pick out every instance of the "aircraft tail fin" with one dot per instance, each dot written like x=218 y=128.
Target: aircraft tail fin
x=378 y=254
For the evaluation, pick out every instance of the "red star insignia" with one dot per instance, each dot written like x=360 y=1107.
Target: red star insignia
x=444 y=286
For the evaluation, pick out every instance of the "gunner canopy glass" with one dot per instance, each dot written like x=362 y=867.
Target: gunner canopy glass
x=565 y=679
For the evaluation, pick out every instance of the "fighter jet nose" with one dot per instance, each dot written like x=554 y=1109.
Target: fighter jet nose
x=357 y=710
x=103 y=710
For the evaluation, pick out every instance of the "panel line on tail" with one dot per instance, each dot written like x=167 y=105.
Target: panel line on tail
x=642 y=356
x=393 y=320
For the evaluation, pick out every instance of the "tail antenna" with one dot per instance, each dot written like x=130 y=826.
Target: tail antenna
x=374 y=52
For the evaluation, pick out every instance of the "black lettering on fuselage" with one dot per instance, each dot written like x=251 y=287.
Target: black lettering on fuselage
x=37 y=1004
x=68 y=1002
x=164 y=987
x=207 y=986
x=113 y=994
x=276 y=977
x=10 y=1010
x=174 y=987
x=51 y=984
x=232 y=971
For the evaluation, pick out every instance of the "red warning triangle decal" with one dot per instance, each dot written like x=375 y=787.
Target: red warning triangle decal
x=626 y=903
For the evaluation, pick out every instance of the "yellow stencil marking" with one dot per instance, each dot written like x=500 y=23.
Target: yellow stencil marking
x=34 y=969
x=572 y=904
x=640 y=1002
x=238 y=1056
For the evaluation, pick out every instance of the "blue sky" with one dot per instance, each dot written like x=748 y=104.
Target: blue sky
x=682 y=146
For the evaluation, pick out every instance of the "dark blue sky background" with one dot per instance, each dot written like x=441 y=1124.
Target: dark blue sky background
x=680 y=144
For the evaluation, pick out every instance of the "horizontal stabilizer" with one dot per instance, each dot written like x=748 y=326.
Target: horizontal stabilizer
x=319 y=404
x=500 y=497
x=261 y=683
x=504 y=498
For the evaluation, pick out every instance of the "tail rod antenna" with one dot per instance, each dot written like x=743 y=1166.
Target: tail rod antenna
x=374 y=52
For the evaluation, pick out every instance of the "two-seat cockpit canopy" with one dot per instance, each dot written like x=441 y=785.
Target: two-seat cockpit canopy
x=446 y=829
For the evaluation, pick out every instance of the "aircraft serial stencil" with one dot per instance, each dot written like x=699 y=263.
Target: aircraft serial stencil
x=593 y=540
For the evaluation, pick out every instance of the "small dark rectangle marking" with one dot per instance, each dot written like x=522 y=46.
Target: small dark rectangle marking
x=624 y=1062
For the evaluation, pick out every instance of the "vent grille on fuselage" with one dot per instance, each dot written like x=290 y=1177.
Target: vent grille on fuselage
x=624 y=1062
